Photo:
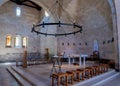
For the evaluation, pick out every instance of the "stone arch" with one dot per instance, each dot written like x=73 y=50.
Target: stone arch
x=117 y=7
x=115 y=30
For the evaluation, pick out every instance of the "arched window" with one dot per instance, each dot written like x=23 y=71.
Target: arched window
x=96 y=47
x=18 y=11
x=18 y=41
x=46 y=14
x=24 y=42
x=8 y=41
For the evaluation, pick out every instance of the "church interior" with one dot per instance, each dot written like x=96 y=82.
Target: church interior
x=59 y=42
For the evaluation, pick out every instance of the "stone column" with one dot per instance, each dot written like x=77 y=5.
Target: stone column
x=47 y=54
x=117 y=61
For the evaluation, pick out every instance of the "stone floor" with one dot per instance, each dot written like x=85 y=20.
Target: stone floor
x=42 y=72
x=113 y=82
x=5 y=78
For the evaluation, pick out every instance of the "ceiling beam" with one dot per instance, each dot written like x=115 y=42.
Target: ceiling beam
x=25 y=3
x=17 y=2
x=25 y=0
x=29 y=5
x=37 y=6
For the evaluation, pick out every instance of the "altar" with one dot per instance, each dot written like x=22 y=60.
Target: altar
x=73 y=56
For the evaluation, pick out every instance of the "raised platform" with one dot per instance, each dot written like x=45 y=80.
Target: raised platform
x=39 y=75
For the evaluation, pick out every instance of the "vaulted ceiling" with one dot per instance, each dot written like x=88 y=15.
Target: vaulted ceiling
x=74 y=8
x=92 y=14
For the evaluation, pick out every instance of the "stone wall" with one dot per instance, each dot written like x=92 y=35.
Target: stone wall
x=96 y=20
x=93 y=15
x=13 y=25
x=117 y=6
x=11 y=57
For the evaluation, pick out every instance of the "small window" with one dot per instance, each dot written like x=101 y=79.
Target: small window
x=95 y=45
x=46 y=14
x=18 y=11
x=62 y=43
x=24 y=42
x=68 y=44
x=8 y=41
x=86 y=43
x=103 y=42
x=18 y=41
x=73 y=44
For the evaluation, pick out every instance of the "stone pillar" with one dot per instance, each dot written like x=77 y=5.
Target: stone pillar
x=47 y=54
x=117 y=6
x=25 y=59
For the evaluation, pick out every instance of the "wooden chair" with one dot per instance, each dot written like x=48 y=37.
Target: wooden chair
x=81 y=73
x=103 y=68
x=58 y=77
x=76 y=75
x=106 y=67
x=70 y=77
x=88 y=72
x=95 y=70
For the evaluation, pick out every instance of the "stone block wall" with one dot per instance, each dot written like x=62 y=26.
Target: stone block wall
x=96 y=20
x=94 y=16
x=12 y=57
x=17 y=25
x=117 y=6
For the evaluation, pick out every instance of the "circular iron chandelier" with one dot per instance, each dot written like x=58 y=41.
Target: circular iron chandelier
x=59 y=24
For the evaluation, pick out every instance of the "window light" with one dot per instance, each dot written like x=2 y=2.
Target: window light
x=46 y=14
x=18 y=11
